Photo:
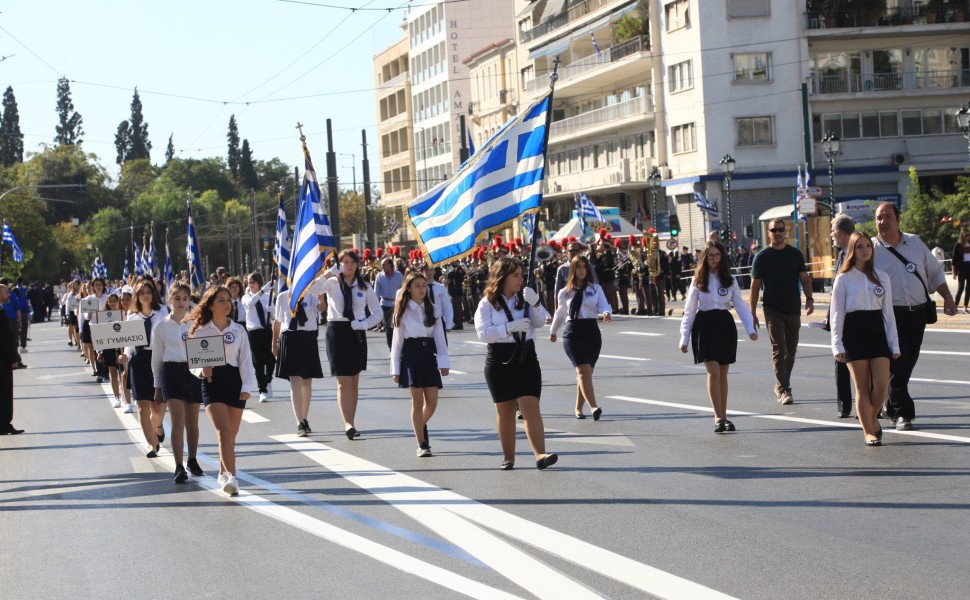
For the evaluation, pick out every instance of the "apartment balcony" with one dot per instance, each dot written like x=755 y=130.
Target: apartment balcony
x=624 y=174
x=392 y=160
x=395 y=82
x=918 y=14
x=882 y=82
x=602 y=118
x=572 y=14
x=398 y=198
x=589 y=66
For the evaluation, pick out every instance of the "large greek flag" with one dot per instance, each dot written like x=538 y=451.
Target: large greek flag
x=281 y=253
x=196 y=277
x=496 y=185
x=8 y=238
x=313 y=239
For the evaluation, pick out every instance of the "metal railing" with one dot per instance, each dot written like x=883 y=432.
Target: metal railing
x=591 y=63
x=575 y=12
x=880 y=82
x=903 y=15
x=394 y=81
x=621 y=110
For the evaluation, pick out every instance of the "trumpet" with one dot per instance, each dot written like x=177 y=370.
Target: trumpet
x=544 y=253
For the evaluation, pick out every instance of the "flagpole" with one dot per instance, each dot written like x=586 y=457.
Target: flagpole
x=553 y=77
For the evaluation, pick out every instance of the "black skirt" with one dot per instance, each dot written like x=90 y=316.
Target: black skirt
x=140 y=375
x=714 y=337
x=179 y=383
x=512 y=371
x=582 y=341
x=86 y=332
x=72 y=319
x=346 y=349
x=299 y=355
x=419 y=365
x=225 y=388
x=109 y=357
x=864 y=336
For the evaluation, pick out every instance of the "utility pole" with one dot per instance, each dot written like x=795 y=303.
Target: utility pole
x=332 y=192
x=254 y=237
x=368 y=213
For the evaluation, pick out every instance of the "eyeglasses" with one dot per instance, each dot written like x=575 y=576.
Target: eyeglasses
x=777 y=230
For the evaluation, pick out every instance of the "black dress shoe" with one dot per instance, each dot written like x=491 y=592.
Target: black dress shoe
x=845 y=415
x=194 y=467
x=580 y=416
x=507 y=465
x=546 y=461
x=161 y=435
x=11 y=430
x=351 y=433
x=719 y=426
x=597 y=413
x=180 y=475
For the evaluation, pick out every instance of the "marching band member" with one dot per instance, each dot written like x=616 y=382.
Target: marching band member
x=580 y=302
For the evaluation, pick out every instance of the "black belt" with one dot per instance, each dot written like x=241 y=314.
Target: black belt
x=913 y=308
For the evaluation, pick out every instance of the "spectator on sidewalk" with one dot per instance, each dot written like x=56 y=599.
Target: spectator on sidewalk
x=9 y=361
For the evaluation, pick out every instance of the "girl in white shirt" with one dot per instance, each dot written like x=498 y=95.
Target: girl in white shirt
x=72 y=300
x=130 y=406
x=708 y=324
x=864 y=331
x=109 y=356
x=580 y=302
x=235 y=286
x=225 y=388
x=180 y=389
x=348 y=295
x=138 y=361
x=419 y=353
x=259 y=326
x=98 y=292
x=298 y=352
x=507 y=318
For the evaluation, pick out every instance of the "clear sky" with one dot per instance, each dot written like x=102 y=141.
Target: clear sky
x=195 y=63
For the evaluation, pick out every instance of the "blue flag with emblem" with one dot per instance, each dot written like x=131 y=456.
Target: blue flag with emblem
x=8 y=238
x=489 y=191
x=312 y=239
x=196 y=277
x=281 y=253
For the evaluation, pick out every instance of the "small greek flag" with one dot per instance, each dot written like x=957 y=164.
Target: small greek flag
x=99 y=269
x=126 y=273
x=595 y=45
x=281 y=252
x=705 y=205
x=589 y=209
x=313 y=238
x=8 y=238
x=139 y=265
x=496 y=185
x=392 y=226
x=579 y=215
x=196 y=277
x=169 y=274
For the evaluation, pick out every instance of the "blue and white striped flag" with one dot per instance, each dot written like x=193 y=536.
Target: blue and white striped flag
x=528 y=221
x=589 y=209
x=705 y=205
x=139 y=266
x=313 y=238
x=583 y=227
x=471 y=144
x=196 y=277
x=595 y=45
x=152 y=256
x=496 y=185
x=126 y=273
x=281 y=253
x=8 y=238
x=169 y=274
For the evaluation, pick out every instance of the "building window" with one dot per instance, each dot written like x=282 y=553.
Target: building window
x=677 y=14
x=912 y=122
x=681 y=76
x=752 y=67
x=683 y=138
x=740 y=9
x=754 y=131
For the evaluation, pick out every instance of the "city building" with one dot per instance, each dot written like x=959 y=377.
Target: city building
x=395 y=146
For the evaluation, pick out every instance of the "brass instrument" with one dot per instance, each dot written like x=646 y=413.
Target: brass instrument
x=653 y=257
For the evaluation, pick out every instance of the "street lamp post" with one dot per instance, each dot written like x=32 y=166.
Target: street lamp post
x=832 y=146
x=653 y=180
x=963 y=121
x=727 y=169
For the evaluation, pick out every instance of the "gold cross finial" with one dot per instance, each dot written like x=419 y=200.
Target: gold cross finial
x=299 y=126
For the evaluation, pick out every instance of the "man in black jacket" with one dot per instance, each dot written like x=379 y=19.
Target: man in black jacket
x=9 y=360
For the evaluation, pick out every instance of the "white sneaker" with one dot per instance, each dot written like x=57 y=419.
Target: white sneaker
x=269 y=389
x=117 y=402
x=130 y=408
x=230 y=485
x=263 y=397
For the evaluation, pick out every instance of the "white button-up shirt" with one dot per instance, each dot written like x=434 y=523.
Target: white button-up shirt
x=854 y=291
x=907 y=290
x=490 y=321
x=717 y=297
x=238 y=355
x=93 y=316
x=155 y=318
x=412 y=326
x=594 y=304
x=442 y=303
x=360 y=298
x=168 y=345
x=249 y=301
x=310 y=306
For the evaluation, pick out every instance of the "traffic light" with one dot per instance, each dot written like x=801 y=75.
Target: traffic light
x=674 y=226
x=749 y=230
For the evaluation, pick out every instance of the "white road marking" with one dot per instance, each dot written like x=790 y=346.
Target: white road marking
x=473 y=343
x=61 y=375
x=923 y=434
x=940 y=352
x=456 y=372
x=953 y=381
x=141 y=464
x=633 y=358
x=646 y=333
x=251 y=417
x=429 y=505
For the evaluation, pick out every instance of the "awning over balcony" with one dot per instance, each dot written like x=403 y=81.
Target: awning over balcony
x=616 y=15
x=531 y=6
x=553 y=9
x=552 y=48
x=584 y=32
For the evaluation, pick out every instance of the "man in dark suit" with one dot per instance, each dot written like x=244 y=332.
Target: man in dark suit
x=9 y=360
x=842 y=228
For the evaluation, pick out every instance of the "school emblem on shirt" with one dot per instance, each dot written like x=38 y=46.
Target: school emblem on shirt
x=722 y=291
x=228 y=337
x=590 y=293
x=360 y=294
x=185 y=335
x=910 y=268
x=116 y=327
x=879 y=291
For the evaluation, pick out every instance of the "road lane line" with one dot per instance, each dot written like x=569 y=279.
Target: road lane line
x=923 y=434
x=633 y=358
x=646 y=333
x=251 y=417
x=406 y=493
x=940 y=352
x=950 y=381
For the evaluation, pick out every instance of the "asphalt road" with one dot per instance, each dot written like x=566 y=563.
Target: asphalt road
x=647 y=502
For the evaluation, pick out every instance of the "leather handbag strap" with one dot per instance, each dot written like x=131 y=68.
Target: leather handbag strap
x=907 y=263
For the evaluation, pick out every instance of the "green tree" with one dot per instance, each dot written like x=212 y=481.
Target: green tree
x=41 y=253
x=234 y=154
x=136 y=176
x=271 y=173
x=122 y=142
x=247 y=173
x=108 y=231
x=68 y=129
x=169 y=150
x=72 y=245
x=923 y=211
x=351 y=212
x=131 y=137
x=11 y=139
x=66 y=165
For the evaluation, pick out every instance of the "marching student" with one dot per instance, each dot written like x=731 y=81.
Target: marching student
x=71 y=300
x=91 y=318
x=580 y=302
x=109 y=356
x=180 y=390
x=438 y=294
x=419 y=354
x=707 y=323
x=348 y=294
x=235 y=287
x=138 y=361
x=258 y=309
x=226 y=388
x=296 y=350
x=130 y=407
x=507 y=318
x=864 y=331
